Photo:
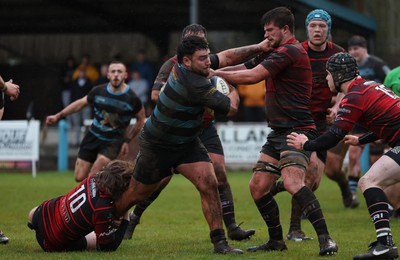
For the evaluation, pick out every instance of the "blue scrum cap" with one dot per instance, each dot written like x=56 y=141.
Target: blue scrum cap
x=322 y=15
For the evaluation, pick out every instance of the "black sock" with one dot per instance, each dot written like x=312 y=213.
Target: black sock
x=142 y=206
x=228 y=210
x=269 y=211
x=217 y=235
x=378 y=209
x=310 y=205
x=277 y=187
x=295 y=217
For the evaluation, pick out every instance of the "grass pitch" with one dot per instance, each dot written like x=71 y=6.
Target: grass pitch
x=173 y=227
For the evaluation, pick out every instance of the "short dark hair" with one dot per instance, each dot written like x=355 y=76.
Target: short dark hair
x=189 y=45
x=114 y=178
x=194 y=28
x=279 y=16
x=357 y=40
x=117 y=62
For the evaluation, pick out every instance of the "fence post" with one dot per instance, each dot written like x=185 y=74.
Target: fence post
x=62 y=145
x=364 y=160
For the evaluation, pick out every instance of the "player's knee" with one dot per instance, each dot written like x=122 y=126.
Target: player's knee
x=207 y=184
x=364 y=183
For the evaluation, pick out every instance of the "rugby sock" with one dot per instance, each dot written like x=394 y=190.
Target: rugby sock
x=269 y=211
x=217 y=235
x=228 y=210
x=353 y=183
x=295 y=217
x=377 y=204
x=310 y=205
x=277 y=187
x=142 y=206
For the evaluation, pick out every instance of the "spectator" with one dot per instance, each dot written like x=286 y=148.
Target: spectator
x=141 y=87
x=145 y=67
x=80 y=88
x=253 y=100
x=370 y=66
x=66 y=79
x=103 y=75
x=91 y=71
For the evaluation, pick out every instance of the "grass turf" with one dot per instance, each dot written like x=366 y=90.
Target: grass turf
x=173 y=227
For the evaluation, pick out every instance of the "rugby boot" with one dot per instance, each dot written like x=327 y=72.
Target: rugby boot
x=3 y=238
x=271 y=245
x=297 y=236
x=133 y=222
x=222 y=247
x=379 y=251
x=350 y=201
x=235 y=232
x=327 y=246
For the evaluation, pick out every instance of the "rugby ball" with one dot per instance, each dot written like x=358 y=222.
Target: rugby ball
x=220 y=84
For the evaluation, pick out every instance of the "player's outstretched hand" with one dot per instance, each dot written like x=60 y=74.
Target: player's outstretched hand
x=52 y=119
x=296 y=140
x=12 y=90
x=351 y=140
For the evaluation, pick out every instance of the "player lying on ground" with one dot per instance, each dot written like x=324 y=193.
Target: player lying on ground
x=84 y=217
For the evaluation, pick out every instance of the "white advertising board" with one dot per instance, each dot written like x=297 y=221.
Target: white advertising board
x=242 y=142
x=19 y=141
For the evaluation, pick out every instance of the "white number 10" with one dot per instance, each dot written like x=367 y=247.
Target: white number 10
x=77 y=199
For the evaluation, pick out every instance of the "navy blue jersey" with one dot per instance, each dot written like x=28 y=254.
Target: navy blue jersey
x=373 y=68
x=113 y=111
x=177 y=117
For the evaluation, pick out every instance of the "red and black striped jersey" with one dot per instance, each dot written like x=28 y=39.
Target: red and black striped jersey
x=288 y=90
x=71 y=217
x=373 y=106
x=321 y=96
